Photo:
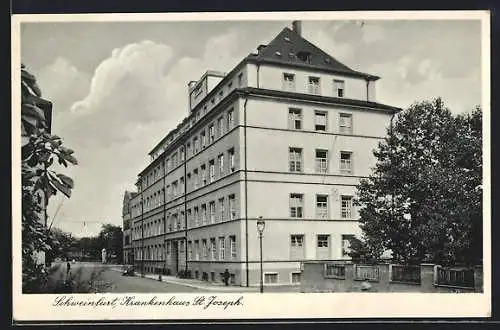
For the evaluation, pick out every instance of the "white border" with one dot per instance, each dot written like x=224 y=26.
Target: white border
x=298 y=305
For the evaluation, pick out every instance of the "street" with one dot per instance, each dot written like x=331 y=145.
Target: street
x=125 y=284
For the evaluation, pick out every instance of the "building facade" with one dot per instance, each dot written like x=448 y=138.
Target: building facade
x=128 y=255
x=286 y=136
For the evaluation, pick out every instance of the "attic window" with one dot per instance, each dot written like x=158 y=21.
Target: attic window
x=287 y=39
x=327 y=60
x=278 y=53
x=304 y=56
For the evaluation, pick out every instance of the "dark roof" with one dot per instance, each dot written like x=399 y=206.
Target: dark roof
x=288 y=45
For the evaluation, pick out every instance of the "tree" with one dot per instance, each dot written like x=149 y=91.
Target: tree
x=111 y=238
x=39 y=149
x=423 y=200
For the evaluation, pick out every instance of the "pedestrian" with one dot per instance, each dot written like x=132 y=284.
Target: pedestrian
x=226 y=277
x=68 y=268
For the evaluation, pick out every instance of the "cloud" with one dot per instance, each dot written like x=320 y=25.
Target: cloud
x=136 y=96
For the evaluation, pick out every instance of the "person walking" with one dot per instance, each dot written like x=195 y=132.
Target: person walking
x=68 y=268
x=226 y=276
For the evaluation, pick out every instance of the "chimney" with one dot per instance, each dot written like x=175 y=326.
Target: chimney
x=297 y=27
x=191 y=84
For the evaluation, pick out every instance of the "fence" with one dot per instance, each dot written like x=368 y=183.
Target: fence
x=336 y=276
x=366 y=272
x=335 y=271
x=455 y=277
x=405 y=274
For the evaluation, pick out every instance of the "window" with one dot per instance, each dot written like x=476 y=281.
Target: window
x=212 y=212
x=323 y=241
x=220 y=126
x=181 y=185
x=346 y=244
x=205 y=249
x=195 y=145
x=296 y=205
x=188 y=149
x=321 y=206
x=221 y=94
x=190 y=250
x=196 y=250
x=188 y=181
x=297 y=241
x=345 y=123
x=304 y=56
x=211 y=133
x=240 y=79
x=220 y=162
x=232 y=244
x=181 y=246
x=346 y=208
x=296 y=277
x=212 y=170
x=321 y=161
x=288 y=82
x=313 y=86
x=232 y=207
x=232 y=165
x=230 y=119
x=294 y=118
x=181 y=152
x=222 y=248
x=271 y=278
x=320 y=120
x=221 y=209
x=195 y=178
x=339 y=87
x=203 y=175
x=213 y=249
x=345 y=162
x=196 y=215
x=204 y=214
x=203 y=140
x=295 y=159
x=174 y=188
x=190 y=218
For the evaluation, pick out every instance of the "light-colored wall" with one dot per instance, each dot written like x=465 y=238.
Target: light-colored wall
x=271 y=77
x=273 y=113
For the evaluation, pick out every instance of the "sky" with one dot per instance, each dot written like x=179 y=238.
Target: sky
x=119 y=87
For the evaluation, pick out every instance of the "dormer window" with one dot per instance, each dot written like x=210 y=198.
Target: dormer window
x=278 y=53
x=287 y=39
x=304 y=57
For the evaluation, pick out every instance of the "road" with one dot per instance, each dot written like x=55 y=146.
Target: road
x=126 y=284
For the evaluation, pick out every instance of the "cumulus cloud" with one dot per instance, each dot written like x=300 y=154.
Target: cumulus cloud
x=136 y=96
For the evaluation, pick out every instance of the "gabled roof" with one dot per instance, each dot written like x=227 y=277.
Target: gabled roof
x=288 y=45
x=128 y=195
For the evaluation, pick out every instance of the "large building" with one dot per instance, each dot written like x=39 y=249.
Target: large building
x=286 y=136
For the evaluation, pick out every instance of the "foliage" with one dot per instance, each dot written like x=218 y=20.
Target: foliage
x=111 y=238
x=55 y=280
x=423 y=200
x=359 y=252
x=39 y=149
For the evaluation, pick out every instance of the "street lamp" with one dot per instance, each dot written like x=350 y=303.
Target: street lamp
x=260 y=228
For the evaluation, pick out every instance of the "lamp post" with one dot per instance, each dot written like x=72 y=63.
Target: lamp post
x=260 y=228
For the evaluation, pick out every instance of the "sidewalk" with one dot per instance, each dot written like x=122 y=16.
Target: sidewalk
x=194 y=283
